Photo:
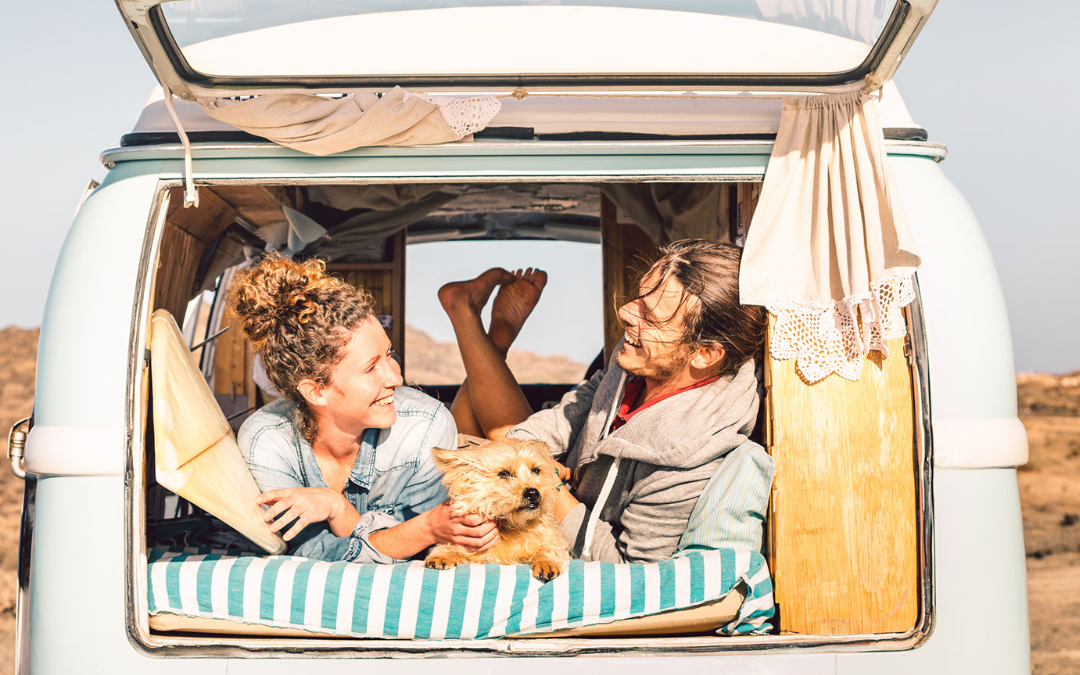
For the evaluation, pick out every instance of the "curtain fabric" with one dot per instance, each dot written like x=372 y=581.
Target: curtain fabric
x=828 y=251
x=323 y=126
x=671 y=211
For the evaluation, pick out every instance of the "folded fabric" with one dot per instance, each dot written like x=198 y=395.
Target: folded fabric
x=466 y=602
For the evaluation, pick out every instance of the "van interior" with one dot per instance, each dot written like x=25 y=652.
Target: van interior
x=843 y=538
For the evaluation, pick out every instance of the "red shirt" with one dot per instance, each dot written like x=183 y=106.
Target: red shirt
x=634 y=386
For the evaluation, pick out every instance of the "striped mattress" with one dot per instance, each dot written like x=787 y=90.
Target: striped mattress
x=466 y=602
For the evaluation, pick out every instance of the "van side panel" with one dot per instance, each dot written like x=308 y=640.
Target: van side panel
x=77 y=603
x=970 y=347
x=84 y=347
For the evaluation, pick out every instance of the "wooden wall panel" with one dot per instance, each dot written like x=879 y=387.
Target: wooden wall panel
x=385 y=281
x=626 y=252
x=178 y=263
x=842 y=525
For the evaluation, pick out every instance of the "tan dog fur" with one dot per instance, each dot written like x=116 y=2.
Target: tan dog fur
x=491 y=480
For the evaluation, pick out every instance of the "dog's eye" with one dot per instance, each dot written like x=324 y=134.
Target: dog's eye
x=504 y=474
x=536 y=470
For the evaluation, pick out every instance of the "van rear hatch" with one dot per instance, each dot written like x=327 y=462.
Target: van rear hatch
x=223 y=48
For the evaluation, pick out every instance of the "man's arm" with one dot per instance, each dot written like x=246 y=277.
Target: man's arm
x=560 y=425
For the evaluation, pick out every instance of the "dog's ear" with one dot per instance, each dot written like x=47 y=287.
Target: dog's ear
x=454 y=458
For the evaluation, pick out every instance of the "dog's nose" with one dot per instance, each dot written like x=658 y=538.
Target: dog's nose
x=531 y=497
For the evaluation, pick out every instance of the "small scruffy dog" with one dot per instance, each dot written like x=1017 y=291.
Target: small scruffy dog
x=513 y=482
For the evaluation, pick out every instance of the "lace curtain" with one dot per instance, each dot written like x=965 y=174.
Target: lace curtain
x=322 y=126
x=828 y=251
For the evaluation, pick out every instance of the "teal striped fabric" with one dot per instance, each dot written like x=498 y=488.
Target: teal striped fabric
x=465 y=602
x=731 y=510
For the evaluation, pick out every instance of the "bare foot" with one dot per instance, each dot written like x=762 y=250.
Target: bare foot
x=471 y=296
x=513 y=304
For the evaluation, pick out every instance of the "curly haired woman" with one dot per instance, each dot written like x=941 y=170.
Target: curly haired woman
x=344 y=457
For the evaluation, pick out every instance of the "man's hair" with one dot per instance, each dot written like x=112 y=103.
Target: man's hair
x=708 y=272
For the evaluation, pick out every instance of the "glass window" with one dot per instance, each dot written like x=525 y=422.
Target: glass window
x=561 y=337
x=387 y=38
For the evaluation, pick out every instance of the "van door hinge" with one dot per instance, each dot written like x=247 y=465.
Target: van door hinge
x=16 y=450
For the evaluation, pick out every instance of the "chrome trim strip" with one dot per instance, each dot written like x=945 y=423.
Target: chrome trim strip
x=924 y=462
x=136 y=602
x=23 y=576
x=137 y=605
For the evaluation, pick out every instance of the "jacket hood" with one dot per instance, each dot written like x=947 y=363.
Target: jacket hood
x=690 y=429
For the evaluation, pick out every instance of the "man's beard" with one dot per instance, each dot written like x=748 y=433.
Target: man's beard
x=658 y=369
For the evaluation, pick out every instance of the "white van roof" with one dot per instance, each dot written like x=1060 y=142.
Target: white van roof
x=661 y=114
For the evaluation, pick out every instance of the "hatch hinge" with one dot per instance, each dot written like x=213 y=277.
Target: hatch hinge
x=191 y=193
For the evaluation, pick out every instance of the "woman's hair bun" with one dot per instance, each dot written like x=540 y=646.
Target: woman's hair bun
x=276 y=293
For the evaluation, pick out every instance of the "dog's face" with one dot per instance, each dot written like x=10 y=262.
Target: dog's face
x=509 y=480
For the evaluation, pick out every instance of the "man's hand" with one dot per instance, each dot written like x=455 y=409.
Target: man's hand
x=470 y=531
x=307 y=505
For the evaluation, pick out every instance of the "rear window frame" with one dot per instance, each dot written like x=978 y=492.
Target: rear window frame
x=232 y=646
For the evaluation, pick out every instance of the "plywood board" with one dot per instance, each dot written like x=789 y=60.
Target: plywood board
x=843 y=520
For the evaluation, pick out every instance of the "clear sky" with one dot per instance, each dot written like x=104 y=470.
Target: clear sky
x=991 y=79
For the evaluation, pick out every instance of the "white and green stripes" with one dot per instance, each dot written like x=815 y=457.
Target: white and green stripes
x=730 y=513
x=466 y=602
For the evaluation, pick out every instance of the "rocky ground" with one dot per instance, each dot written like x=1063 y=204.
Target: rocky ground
x=1049 y=484
x=1050 y=498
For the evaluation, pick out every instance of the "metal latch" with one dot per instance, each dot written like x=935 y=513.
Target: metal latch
x=16 y=449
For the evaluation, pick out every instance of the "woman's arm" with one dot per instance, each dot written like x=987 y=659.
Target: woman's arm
x=440 y=525
x=303 y=506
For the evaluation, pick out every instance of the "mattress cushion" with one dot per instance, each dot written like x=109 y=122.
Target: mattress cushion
x=466 y=602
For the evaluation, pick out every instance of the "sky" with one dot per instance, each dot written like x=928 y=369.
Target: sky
x=993 y=80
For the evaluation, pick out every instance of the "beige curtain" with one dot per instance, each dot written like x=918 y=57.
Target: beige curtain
x=828 y=251
x=323 y=126
x=671 y=211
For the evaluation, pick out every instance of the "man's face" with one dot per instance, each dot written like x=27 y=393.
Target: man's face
x=653 y=346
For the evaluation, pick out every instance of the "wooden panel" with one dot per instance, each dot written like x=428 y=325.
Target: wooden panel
x=843 y=522
x=385 y=281
x=234 y=359
x=257 y=204
x=626 y=252
x=178 y=263
x=397 y=297
x=746 y=202
x=206 y=222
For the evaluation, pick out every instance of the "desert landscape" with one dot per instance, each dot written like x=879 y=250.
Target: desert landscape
x=1049 y=484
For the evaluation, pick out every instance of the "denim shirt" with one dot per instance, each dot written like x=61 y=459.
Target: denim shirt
x=393 y=479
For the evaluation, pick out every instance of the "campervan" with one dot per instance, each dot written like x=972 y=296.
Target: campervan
x=893 y=540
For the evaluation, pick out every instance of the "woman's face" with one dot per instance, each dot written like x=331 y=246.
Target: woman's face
x=361 y=390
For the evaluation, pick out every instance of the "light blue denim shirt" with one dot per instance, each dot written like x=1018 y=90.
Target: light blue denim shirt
x=393 y=479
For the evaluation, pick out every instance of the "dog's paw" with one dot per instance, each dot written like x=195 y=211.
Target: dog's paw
x=546 y=570
x=441 y=562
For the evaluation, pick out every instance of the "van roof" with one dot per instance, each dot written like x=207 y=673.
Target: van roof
x=567 y=117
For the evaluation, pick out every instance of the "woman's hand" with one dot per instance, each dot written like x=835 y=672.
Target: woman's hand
x=307 y=505
x=470 y=531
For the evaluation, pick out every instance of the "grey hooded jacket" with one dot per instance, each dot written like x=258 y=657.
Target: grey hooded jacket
x=638 y=485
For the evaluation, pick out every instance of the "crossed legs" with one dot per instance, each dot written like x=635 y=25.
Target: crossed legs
x=490 y=401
